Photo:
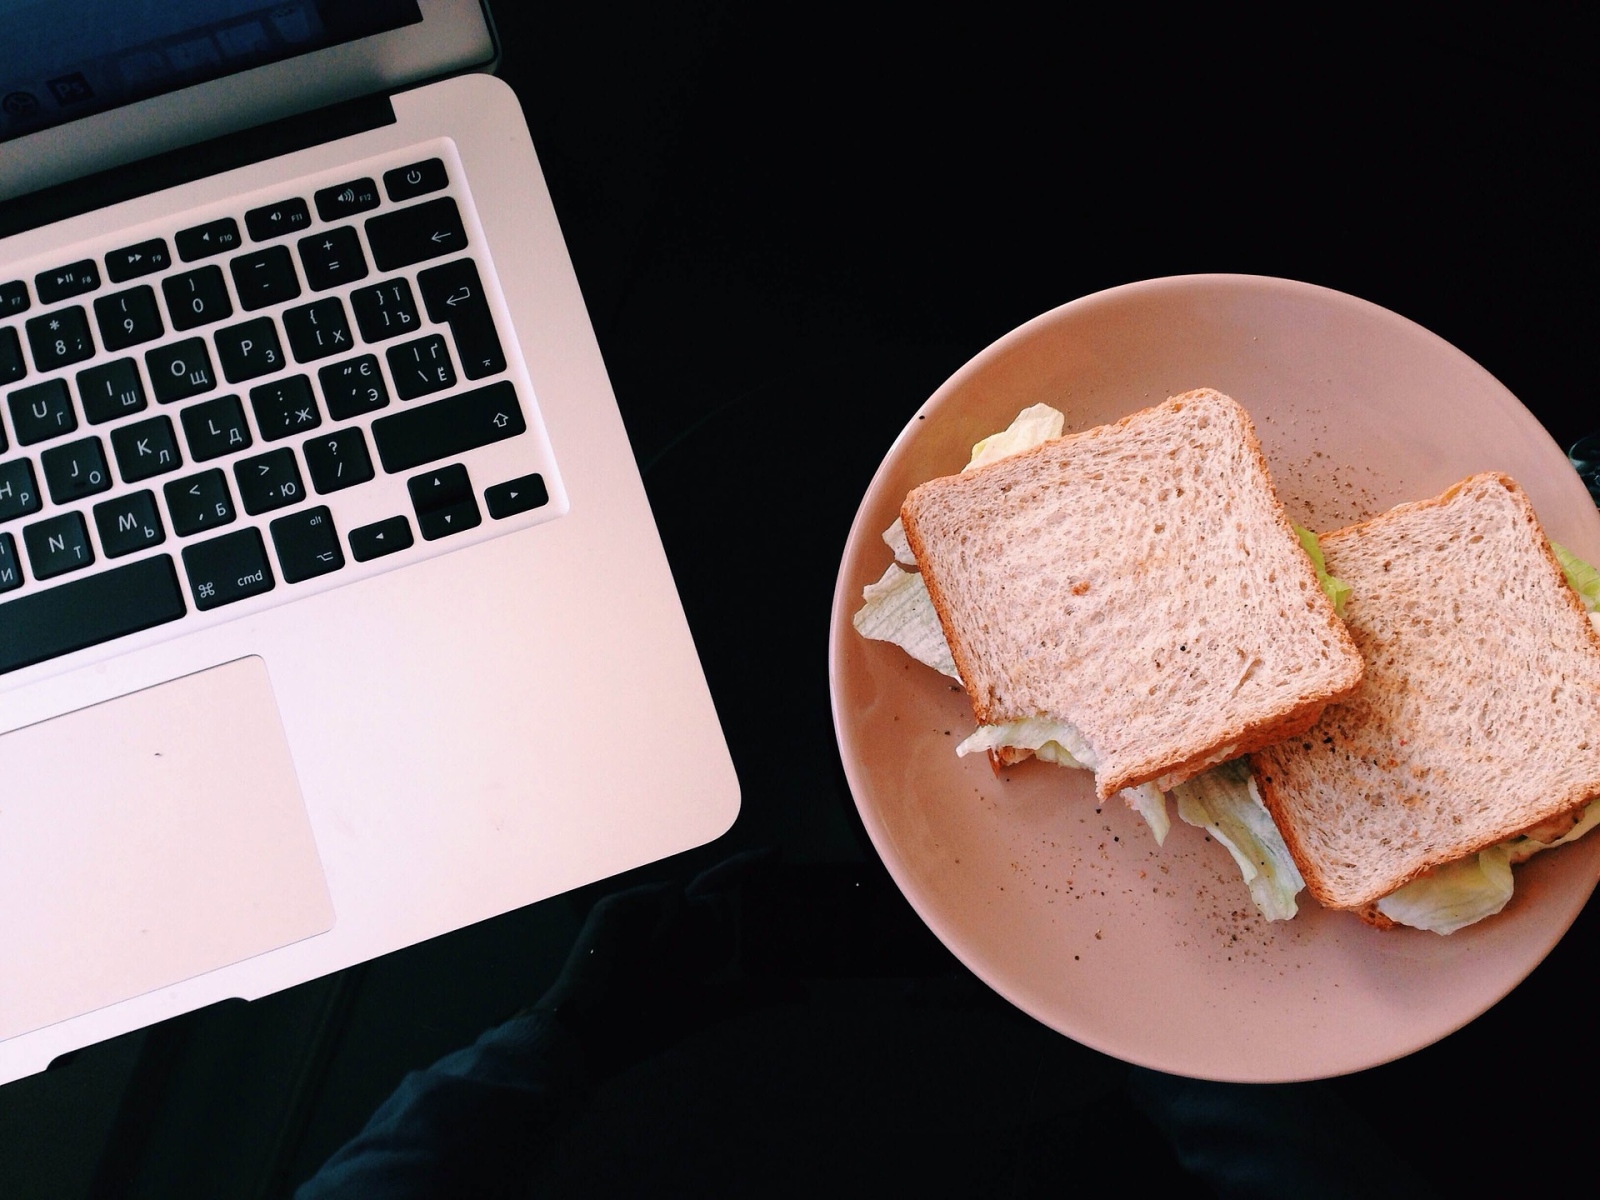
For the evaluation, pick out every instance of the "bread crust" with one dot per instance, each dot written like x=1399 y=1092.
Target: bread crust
x=1228 y=734
x=1379 y=765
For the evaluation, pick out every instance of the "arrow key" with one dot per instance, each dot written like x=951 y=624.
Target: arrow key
x=380 y=538
x=516 y=496
x=444 y=502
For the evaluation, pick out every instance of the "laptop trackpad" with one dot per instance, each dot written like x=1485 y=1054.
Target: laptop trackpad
x=147 y=840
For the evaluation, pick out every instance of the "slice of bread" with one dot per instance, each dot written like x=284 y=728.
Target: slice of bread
x=1478 y=717
x=1139 y=581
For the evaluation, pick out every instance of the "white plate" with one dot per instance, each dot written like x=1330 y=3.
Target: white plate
x=1157 y=956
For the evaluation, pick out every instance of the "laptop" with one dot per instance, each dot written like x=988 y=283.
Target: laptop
x=333 y=616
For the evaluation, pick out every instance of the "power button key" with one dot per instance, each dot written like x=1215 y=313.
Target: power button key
x=417 y=179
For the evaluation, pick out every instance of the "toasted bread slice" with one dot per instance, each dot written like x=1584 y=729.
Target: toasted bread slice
x=1478 y=717
x=1139 y=581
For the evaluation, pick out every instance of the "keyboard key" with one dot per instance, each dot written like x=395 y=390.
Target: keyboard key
x=57 y=545
x=276 y=220
x=10 y=568
x=199 y=502
x=74 y=279
x=346 y=199
x=19 y=493
x=12 y=366
x=227 y=569
x=196 y=298
x=13 y=298
x=128 y=523
x=380 y=538
x=338 y=459
x=215 y=427
x=249 y=350
x=285 y=407
x=180 y=370
x=332 y=258
x=444 y=502
x=448 y=427
x=385 y=310
x=515 y=496
x=317 y=330
x=145 y=448
x=268 y=481
x=89 y=611
x=60 y=338
x=202 y=241
x=416 y=234
x=352 y=388
x=41 y=412
x=128 y=318
x=307 y=544
x=110 y=390
x=420 y=367
x=75 y=470
x=264 y=277
x=453 y=294
x=415 y=179
x=133 y=261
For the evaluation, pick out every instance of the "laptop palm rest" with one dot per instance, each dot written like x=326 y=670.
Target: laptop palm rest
x=198 y=856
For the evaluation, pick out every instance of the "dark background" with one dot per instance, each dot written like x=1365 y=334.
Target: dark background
x=790 y=226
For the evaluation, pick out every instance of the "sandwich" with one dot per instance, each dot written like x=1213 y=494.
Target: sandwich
x=1131 y=599
x=1473 y=739
x=1139 y=582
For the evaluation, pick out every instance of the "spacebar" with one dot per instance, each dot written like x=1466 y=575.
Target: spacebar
x=89 y=611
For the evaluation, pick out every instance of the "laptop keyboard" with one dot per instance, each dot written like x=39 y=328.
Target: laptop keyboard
x=255 y=404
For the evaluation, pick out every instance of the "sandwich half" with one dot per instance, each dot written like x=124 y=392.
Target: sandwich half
x=1138 y=586
x=1474 y=736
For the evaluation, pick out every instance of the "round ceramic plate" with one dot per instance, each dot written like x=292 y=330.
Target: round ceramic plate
x=1071 y=911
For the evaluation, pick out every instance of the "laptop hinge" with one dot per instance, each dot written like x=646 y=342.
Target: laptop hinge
x=203 y=159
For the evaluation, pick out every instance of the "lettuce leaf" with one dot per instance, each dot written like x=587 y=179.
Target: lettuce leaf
x=1060 y=743
x=1336 y=590
x=898 y=610
x=1224 y=802
x=1050 y=740
x=1032 y=426
x=1582 y=578
x=1455 y=895
x=1150 y=802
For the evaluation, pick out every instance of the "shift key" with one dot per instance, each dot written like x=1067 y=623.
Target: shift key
x=448 y=427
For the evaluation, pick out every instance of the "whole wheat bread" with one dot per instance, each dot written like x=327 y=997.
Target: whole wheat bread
x=1140 y=581
x=1479 y=714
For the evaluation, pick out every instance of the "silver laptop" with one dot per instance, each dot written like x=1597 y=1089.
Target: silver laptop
x=332 y=613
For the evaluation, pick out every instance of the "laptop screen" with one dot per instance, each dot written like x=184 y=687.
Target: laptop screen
x=113 y=52
x=93 y=85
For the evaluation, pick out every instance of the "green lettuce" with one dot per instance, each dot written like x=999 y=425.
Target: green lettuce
x=1455 y=895
x=1336 y=590
x=1224 y=802
x=1582 y=578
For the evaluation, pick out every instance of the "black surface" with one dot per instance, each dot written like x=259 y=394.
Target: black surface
x=790 y=225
